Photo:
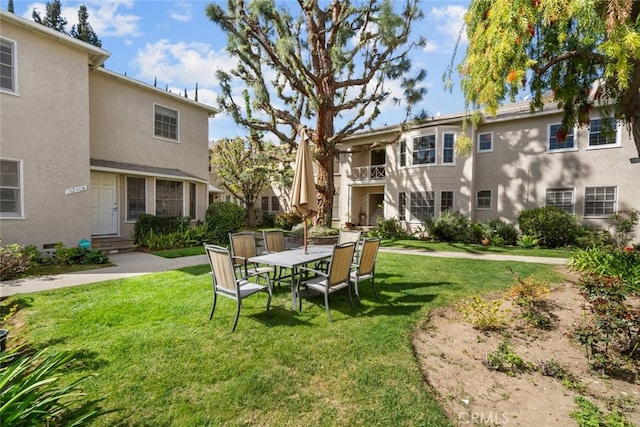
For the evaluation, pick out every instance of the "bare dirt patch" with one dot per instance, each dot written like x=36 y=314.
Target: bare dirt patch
x=452 y=355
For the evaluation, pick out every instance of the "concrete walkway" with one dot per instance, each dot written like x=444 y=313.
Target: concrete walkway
x=138 y=263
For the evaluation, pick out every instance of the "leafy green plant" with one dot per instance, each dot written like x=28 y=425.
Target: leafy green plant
x=63 y=255
x=604 y=261
x=147 y=224
x=553 y=227
x=527 y=242
x=33 y=391
x=551 y=368
x=389 y=229
x=589 y=415
x=449 y=227
x=503 y=359
x=315 y=231
x=506 y=232
x=484 y=315
x=223 y=218
x=287 y=220
x=624 y=223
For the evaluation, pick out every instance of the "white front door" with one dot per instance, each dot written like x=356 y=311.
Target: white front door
x=104 y=204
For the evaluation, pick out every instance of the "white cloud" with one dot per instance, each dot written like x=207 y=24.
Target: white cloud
x=104 y=17
x=449 y=21
x=182 y=63
x=182 y=12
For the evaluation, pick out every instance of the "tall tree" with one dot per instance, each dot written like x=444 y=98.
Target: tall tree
x=310 y=66
x=244 y=169
x=577 y=53
x=83 y=31
x=52 y=18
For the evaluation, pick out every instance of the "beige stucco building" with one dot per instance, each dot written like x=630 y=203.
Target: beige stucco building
x=516 y=162
x=84 y=150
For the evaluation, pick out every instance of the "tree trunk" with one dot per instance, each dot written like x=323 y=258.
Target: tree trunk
x=251 y=214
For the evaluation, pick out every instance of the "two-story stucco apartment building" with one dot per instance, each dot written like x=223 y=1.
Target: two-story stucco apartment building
x=517 y=162
x=84 y=150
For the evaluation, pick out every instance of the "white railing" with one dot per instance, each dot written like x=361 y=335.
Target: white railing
x=368 y=172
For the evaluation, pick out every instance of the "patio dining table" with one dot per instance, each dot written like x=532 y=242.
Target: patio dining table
x=293 y=259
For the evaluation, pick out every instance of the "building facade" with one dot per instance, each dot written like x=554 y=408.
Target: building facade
x=517 y=162
x=84 y=150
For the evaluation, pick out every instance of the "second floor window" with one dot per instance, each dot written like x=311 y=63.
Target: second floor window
x=447 y=148
x=403 y=153
x=264 y=203
x=560 y=139
x=165 y=122
x=7 y=65
x=275 y=204
x=424 y=150
x=600 y=134
x=485 y=142
x=192 y=200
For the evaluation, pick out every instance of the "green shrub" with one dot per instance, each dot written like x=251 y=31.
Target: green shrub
x=77 y=255
x=553 y=227
x=14 y=259
x=147 y=223
x=287 y=220
x=484 y=315
x=624 y=224
x=223 y=218
x=589 y=236
x=315 y=231
x=478 y=231
x=268 y=219
x=449 y=227
x=34 y=393
x=389 y=229
x=608 y=261
x=505 y=230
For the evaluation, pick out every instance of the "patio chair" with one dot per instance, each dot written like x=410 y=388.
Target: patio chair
x=346 y=236
x=273 y=241
x=336 y=278
x=365 y=267
x=243 y=247
x=228 y=284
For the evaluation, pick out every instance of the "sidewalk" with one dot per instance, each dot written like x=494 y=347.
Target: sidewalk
x=132 y=264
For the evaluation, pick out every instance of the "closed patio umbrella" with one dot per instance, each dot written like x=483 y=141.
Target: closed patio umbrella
x=303 y=197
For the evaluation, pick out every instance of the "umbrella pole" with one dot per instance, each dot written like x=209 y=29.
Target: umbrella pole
x=304 y=234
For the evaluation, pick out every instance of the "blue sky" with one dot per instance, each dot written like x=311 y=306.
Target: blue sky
x=175 y=42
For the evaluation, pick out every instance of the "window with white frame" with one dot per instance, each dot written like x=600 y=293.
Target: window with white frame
x=10 y=188
x=165 y=122
x=483 y=199
x=485 y=142
x=403 y=153
x=275 y=204
x=402 y=206
x=602 y=134
x=7 y=65
x=421 y=205
x=424 y=150
x=192 y=200
x=136 y=197
x=169 y=198
x=335 y=210
x=446 y=201
x=448 y=141
x=600 y=201
x=264 y=203
x=562 y=198
x=560 y=139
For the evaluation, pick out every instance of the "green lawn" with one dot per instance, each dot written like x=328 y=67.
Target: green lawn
x=162 y=362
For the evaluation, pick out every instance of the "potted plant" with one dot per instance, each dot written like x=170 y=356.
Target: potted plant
x=348 y=223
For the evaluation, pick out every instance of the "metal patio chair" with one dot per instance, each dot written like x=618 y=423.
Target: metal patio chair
x=365 y=267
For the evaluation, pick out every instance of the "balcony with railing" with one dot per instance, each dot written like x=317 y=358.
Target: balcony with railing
x=368 y=173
